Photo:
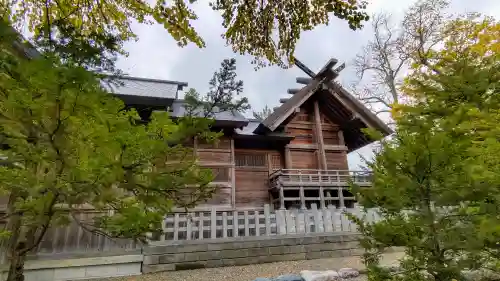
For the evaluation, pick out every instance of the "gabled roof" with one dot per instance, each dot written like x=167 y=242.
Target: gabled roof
x=335 y=102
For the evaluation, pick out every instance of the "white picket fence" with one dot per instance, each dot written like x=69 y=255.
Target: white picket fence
x=217 y=224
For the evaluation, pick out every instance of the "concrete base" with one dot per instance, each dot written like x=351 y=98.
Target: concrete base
x=81 y=268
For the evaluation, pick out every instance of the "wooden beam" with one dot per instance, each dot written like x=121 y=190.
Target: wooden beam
x=328 y=67
x=340 y=68
x=303 y=80
x=293 y=91
x=319 y=134
x=283 y=100
x=303 y=67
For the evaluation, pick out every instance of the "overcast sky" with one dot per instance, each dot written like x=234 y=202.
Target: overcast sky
x=156 y=54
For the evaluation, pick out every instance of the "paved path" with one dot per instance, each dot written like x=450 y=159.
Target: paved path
x=250 y=272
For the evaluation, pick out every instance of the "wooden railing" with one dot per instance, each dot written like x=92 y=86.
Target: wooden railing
x=306 y=177
x=217 y=224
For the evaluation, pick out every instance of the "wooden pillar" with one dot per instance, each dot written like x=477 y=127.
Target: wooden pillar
x=282 y=197
x=341 y=137
x=288 y=158
x=233 y=176
x=302 y=197
x=322 y=204
x=341 y=197
x=319 y=135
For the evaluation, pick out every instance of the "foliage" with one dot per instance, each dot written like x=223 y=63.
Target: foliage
x=436 y=181
x=69 y=145
x=251 y=26
x=96 y=51
x=261 y=115
x=222 y=95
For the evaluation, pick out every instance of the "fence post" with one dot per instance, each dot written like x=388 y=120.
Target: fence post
x=357 y=212
x=307 y=221
x=345 y=222
x=201 y=222
x=236 y=228
x=176 y=226
x=336 y=222
x=189 y=226
x=247 y=227
x=318 y=220
x=267 y=218
x=257 y=223
x=213 y=223
x=281 y=221
x=224 y=224
x=327 y=220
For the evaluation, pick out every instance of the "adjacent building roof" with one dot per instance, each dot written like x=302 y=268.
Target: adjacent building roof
x=145 y=87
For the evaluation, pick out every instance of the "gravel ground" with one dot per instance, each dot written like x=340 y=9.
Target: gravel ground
x=250 y=272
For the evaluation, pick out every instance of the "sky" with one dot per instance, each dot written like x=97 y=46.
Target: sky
x=156 y=54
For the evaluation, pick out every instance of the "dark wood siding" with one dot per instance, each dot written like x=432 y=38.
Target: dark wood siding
x=336 y=160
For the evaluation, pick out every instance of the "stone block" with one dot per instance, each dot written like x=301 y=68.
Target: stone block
x=172 y=258
x=128 y=269
x=108 y=270
x=357 y=252
x=190 y=265
x=295 y=249
x=329 y=275
x=229 y=254
x=69 y=273
x=158 y=268
x=39 y=275
x=319 y=247
x=276 y=250
x=254 y=252
x=151 y=259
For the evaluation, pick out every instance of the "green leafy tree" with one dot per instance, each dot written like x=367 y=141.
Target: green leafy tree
x=436 y=180
x=69 y=144
x=250 y=26
x=261 y=115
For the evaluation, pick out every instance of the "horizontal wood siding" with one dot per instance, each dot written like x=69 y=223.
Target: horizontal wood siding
x=214 y=156
x=336 y=160
x=251 y=187
x=217 y=157
x=221 y=197
x=303 y=159
x=252 y=175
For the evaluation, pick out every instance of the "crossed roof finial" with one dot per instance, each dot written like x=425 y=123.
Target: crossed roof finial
x=306 y=80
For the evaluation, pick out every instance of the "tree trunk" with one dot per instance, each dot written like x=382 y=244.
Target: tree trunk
x=18 y=258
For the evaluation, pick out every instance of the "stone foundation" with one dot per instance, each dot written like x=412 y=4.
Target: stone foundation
x=242 y=251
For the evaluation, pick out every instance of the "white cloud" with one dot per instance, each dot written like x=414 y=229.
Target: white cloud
x=156 y=54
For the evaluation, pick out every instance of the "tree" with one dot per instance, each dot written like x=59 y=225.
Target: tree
x=436 y=181
x=251 y=26
x=261 y=115
x=70 y=144
x=381 y=64
x=222 y=95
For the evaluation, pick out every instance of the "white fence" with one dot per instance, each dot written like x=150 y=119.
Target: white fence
x=223 y=224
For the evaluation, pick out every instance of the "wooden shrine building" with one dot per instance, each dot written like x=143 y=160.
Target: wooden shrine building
x=295 y=157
